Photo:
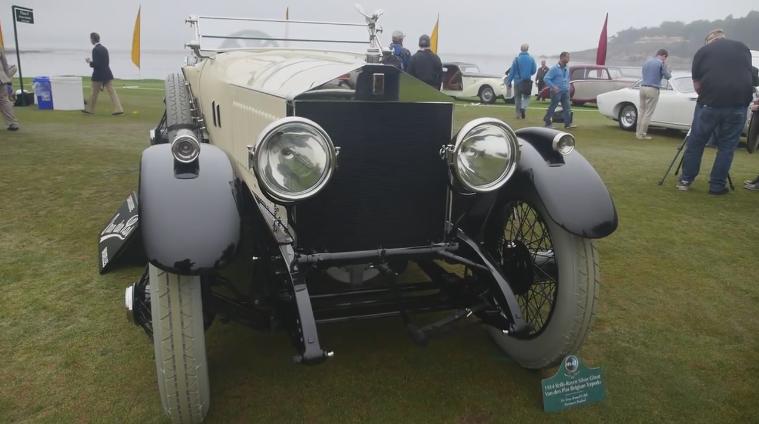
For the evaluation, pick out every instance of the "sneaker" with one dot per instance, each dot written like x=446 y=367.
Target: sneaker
x=524 y=115
x=752 y=186
x=683 y=185
x=570 y=126
x=117 y=113
x=86 y=111
x=753 y=182
x=644 y=137
x=13 y=128
x=720 y=192
x=548 y=124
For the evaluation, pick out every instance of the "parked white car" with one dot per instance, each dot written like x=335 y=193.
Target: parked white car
x=677 y=101
x=465 y=81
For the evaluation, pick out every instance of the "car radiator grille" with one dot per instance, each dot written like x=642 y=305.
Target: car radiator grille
x=390 y=184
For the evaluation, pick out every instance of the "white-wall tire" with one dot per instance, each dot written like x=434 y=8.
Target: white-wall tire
x=179 y=343
x=574 y=298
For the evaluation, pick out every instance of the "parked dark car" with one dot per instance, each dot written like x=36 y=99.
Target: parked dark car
x=276 y=195
x=588 y=81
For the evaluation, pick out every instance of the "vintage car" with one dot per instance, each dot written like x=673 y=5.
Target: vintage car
x=274 y=195
x=588 y=81
x=677 y=101
x=465 y=81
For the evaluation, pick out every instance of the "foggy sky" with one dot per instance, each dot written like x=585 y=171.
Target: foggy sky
x=473 y=26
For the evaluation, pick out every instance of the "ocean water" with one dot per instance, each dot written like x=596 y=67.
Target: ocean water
x=157 y=64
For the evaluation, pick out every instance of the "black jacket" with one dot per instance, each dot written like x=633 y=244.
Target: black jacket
x=101 y=71
x=426 y=66
x=723 y=67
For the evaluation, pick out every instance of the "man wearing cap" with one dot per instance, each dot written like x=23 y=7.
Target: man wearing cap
x=402 y=53
x=6 y=107
x=426 y=65
x=654 y=70
x=721 y=75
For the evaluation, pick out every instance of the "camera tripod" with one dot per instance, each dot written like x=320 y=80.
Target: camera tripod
x=680 y=164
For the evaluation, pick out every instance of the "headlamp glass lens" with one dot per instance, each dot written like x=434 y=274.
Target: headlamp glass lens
x=484 y=156
x=294 y=160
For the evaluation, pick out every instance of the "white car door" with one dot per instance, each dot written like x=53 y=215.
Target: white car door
x=674 y=109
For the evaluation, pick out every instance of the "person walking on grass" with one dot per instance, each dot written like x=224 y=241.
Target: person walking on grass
x=721 y=73
x=557 y=80
x=522 y=69
x=539 y=78
x=102 y=77
x=654 y=70
x=6 y=80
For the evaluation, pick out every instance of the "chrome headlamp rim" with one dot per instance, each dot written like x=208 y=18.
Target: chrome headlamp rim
x=508 y=171
x=558 y=137
x=185 y=136
x=265 y=137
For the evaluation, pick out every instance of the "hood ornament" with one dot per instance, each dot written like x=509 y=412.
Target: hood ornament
x=374 y=51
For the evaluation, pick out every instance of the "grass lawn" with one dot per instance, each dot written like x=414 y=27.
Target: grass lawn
x=676 y=331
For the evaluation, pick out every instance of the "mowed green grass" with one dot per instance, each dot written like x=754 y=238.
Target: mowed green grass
x=676 y=328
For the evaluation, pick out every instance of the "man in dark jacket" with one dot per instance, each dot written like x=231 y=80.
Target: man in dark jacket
x=102 y=77
x=426 y=65
x=721 y=74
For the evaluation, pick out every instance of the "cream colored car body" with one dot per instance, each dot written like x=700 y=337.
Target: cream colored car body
x=251 y=89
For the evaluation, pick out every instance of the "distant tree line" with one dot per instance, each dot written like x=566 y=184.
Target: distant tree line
x=633 y=45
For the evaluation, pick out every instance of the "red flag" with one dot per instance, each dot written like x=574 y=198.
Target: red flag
x=601 y=53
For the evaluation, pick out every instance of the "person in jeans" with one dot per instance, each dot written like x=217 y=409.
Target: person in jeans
x=102 y=77
x=557 y=80
x=6 y=106
x=722 y=78
x=522 y=69
x=539 y=78
x=654 y=70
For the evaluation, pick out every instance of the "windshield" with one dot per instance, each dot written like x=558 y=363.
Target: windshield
x=683 y=85
x=470 y=69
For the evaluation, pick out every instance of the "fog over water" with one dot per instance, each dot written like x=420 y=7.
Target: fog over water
x=488 y=33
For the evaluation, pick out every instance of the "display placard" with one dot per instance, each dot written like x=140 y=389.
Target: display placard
x=573 y=385
x=23 y=14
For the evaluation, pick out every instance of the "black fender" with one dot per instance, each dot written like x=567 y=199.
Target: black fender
x=190 y=220
x=568 y=186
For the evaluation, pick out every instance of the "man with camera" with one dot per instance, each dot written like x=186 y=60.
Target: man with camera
x=722 y=78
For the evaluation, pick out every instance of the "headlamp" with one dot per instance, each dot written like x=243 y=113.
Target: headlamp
x=484 y=155
x=293 y=159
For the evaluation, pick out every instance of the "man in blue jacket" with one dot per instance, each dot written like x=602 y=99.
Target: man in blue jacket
x=557 y=80
x=522 y=69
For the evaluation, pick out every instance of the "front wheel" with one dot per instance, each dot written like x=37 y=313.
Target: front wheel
x=487 y=95
x=179 y=344
x=554 y=275
x=628 y=117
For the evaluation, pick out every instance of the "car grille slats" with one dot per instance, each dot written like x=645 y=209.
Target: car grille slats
x=390 y=185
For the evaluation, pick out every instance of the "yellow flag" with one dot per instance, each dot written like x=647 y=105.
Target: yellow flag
x=2 y=43
x=433 y=37
x=136 y=40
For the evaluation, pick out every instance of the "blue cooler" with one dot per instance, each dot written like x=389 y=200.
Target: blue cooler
x=43 y=91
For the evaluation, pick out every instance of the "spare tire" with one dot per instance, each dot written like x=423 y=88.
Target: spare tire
x=752 y=138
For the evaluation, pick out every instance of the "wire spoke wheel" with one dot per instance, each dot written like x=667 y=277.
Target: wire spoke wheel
x=554 y=275
x=525 y=252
